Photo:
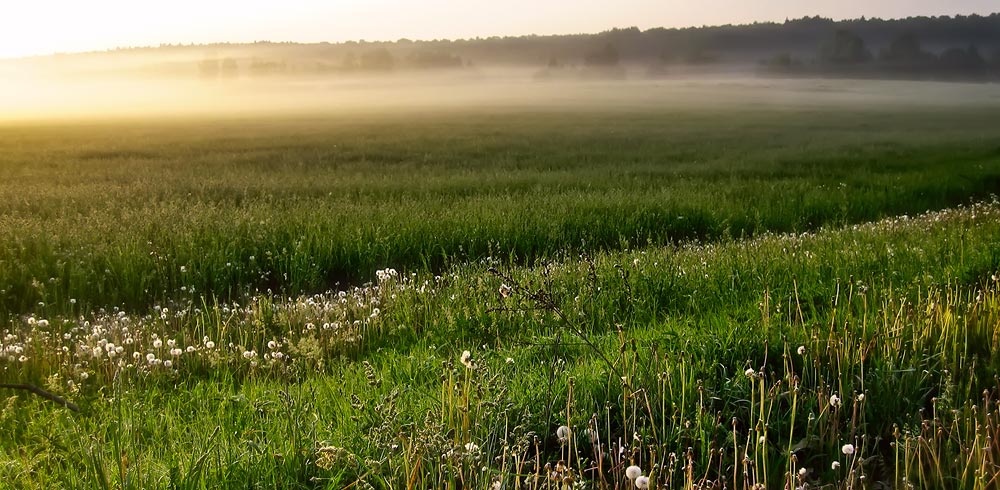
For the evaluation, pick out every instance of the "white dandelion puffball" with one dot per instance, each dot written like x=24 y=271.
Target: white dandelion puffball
x=642 y=482
x=834 y=401
x=802 y=350
x=563 y=433
x=466 y=359
x=749 y=372
x=835 y=465
x=847 y=449
x=633 y=472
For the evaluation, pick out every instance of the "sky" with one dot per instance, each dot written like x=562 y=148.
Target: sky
x=36 y=27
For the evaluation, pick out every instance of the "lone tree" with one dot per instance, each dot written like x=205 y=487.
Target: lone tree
x=846 y=48
x=606 y=57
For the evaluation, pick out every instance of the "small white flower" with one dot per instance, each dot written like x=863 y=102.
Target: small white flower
x=802 y=350
x=43 y=323
x=157 y=344
x=167 y=364
x=209 y=345
x=642 y=482
x=183 y=269
x=749 y=372
x=861 y=397
x=834 y=400
x=802 y=472
x=847 y=449
x=272 y=345
x=633 y=472
x=835 y=465
x=466 y=359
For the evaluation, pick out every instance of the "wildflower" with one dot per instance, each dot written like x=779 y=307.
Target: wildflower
x=861 y=397
x=157 y=344
x=190 y=349
x=209 y=345
x=749 y=372
x=802 y=350
x=642 y=482
x=505 y=290
x=22 y=359
x=471 y=448
x=633 y=472
x=250 y=354
x=167 y=364
x=835 y=465
x=272 y=345
x=834 y=400
x=43 y=323
x=183 y=269
x=802 y=472
x=510 y=360
x=847 y=449
x=466 y=359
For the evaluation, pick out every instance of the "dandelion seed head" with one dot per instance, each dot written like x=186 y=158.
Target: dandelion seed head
x=633 y=472
x=642 y=482
x=847 y=449
x=563 y=433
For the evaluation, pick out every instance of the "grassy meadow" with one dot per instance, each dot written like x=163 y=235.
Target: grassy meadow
x=769 y=294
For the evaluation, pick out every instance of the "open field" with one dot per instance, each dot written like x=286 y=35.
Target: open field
x=723 y=292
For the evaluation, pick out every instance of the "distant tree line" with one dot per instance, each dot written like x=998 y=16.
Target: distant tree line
x=960 y=46
x=847 y=54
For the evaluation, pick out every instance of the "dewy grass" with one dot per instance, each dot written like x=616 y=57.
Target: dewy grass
x=881 y=380
x=768 y=297
x=129 y=216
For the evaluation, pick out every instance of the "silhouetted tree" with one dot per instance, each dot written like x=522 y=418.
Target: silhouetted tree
x=606 y=57
x=229 y=68
x=906 y=49
x=209 y=69
x=378 y=59
x=844 y=49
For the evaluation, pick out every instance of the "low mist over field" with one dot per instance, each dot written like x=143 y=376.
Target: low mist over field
x=45 y=97
x=759 y=63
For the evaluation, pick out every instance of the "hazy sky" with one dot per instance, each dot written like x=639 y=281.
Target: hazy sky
x=30 y=27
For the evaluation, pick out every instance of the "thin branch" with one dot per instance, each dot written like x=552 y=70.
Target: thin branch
x=42 y=393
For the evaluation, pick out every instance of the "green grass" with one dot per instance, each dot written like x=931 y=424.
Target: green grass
x=108 y=214
x=708 y=295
